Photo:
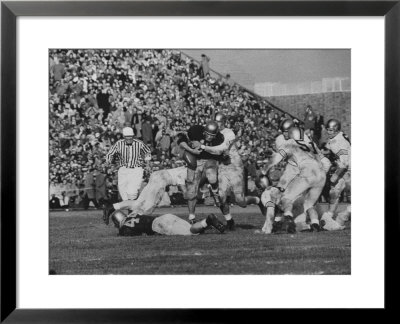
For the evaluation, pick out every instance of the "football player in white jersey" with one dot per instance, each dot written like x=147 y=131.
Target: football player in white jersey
x=339 y=144
x=309 y=180
x=291 y=170
x=269 y=199
x=230 y=172
x=151 y=194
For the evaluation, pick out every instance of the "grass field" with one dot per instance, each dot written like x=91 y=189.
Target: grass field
x=81 y=244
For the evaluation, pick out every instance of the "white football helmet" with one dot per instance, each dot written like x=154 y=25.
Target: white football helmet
x=333 y=127
x=118 y=218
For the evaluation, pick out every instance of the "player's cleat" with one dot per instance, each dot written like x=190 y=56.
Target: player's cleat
x=230 y=225
x=315 y=227
x=277 y=227
x=213 y=221
x=290 y=225
x=107 y=211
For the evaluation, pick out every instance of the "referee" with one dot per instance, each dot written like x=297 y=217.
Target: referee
x=129 y=153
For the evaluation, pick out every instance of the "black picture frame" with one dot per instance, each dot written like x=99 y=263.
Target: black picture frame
x=9 y=13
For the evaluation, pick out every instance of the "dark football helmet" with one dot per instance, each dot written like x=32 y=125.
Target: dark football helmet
x=211 y=130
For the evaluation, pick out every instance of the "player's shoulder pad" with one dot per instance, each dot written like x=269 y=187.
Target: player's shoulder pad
x=280 y=139
x=229 y=135
x=346 y=138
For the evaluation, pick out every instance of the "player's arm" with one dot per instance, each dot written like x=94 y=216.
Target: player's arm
x=145 y=152
x=111 y=153
x=276 y=158
x=343 y=165
x=183 y=143
x=216 y=150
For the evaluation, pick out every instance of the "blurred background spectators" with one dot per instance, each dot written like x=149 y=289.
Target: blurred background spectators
x=93 y=94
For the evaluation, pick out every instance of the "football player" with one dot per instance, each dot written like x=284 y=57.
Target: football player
x=206 y=164
x=339 y=144
x=269 y=199
x=291 y=169
x=309 y=179
x=230 y=171
x=151 y=194
x=168 y=224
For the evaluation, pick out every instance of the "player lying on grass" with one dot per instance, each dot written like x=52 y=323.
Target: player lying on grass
x=168 y=224
x=151 y=194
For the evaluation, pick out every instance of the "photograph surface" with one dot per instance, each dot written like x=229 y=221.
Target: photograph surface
x=199 y=161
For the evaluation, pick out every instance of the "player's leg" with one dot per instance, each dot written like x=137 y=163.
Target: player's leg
x=316 y=178
x=135 y=180
x=211 y=220
x=327 y=220
x=268 y=202
x=344 y=216
x=170 y=224
x=211 y=173
x=192 y=185
x=236 y=178
x=123 y=182
x=153 y=193
x=295 y=188
x=224 y=189
x=301 y=222
x=310 y=200
x=286 y=178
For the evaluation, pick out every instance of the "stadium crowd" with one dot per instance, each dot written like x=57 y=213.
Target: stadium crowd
x=93 y=94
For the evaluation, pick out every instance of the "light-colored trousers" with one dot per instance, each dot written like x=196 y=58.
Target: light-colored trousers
x=129 y=182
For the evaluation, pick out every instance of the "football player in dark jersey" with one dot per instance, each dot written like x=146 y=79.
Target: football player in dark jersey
x=201 y=164
x=168 y=224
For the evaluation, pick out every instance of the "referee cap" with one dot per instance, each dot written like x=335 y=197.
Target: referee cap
x=127 y=131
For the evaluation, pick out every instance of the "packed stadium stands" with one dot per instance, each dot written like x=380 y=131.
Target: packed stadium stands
x=93 y=94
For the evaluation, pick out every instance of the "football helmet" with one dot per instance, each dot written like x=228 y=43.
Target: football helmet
x=210 y=130
x=118 y=217
x=263 y=182
x=285 y=125
x=220 y=118
x=296 y=133
x=333 y=127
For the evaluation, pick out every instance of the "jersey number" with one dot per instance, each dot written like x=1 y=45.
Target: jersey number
x=305 y=148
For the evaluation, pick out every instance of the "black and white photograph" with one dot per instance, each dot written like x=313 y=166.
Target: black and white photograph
x=167 y=161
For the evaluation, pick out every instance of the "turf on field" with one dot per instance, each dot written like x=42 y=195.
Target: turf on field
x=81 y=244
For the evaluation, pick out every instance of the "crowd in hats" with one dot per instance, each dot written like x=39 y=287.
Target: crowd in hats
x=93 y=94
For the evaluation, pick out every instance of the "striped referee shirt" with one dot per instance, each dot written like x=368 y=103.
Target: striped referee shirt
x=130 y=156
